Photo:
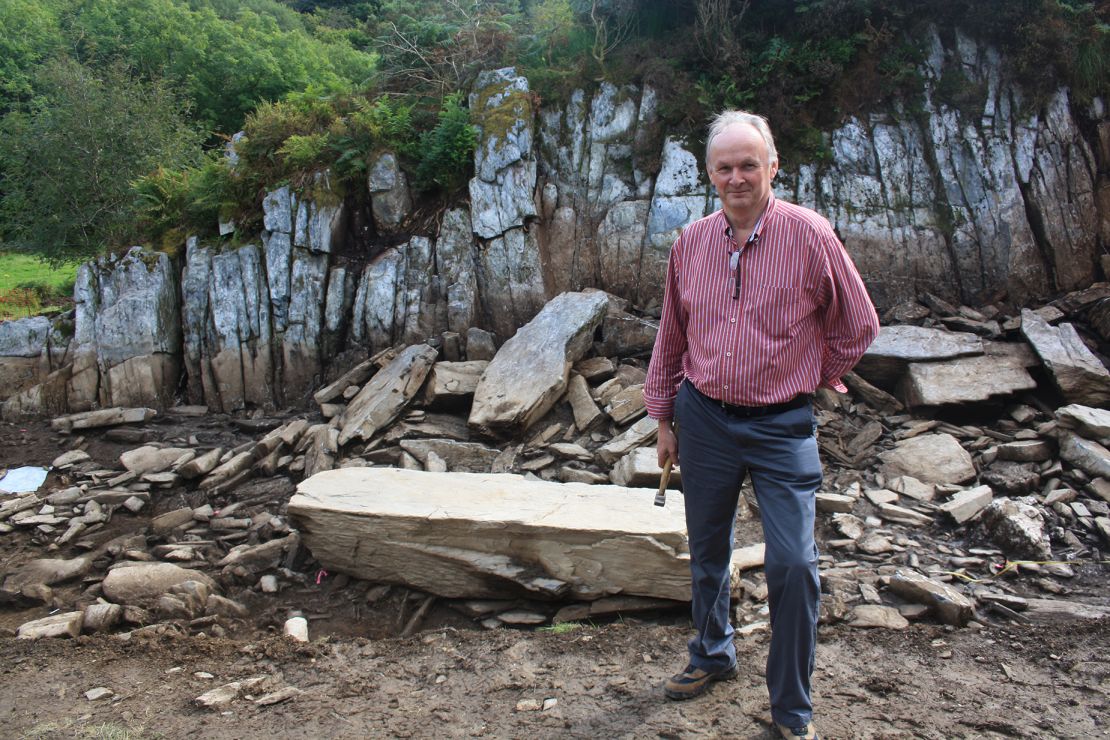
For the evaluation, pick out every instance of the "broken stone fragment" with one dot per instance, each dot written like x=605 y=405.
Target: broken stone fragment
x=931 y=458
x=101 y=617
x=102 y=418
x=627 y=405
x=964 y=505
x=68 y=459
x=586 y=413
x=875 y=616
x=640 y=469
x=471 y=457
x=381 y=400
x=835 y=503
x=1031 y=450
x=220 y=697
x=142 y=583
x=1089 y=422
x=951 y=606
x=257 y=558
x=149 y=459
x=201 y=465
x=1018 y=529
x=639 y=434
x=1079 y=374
x=171 y=520
x=452 y=382
x=907 y=485
x=57 y=625
x=531 y=370
x=902 y=515
x=1085 y=454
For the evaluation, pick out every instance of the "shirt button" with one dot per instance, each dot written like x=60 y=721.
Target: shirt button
x=728 y=354
x=725 y=387
x=732 y=321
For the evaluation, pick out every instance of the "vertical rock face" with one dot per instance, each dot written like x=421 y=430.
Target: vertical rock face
x=990 y=196
x=967 y=202
x=128 y=332
x=390 y=199
x=598 y=160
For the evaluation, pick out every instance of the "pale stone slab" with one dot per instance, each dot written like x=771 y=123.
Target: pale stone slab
x=964 y=380
x=531 y=370
x=1085 y=454
x=640 y=469
x=874 y=615
x=103 y=418
x=931 y=458
x=1090 y=422
x=150 y=459
x=902 y=515
x=142 y=583
x=637 y=435
x=966 y=504
x=465 y=535
x=896 y=346
x=586 y=413
x=57 y=625
x=453 y=381
x=467 y=457
x=381 y=400
x=1079 y=374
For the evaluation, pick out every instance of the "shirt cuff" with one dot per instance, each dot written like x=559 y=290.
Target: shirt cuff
x=835 y=383
x=660 y=409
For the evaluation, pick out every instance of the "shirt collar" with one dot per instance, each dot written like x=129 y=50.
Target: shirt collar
x=768 y=211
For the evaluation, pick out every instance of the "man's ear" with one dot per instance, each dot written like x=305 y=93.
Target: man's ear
x=774 y=170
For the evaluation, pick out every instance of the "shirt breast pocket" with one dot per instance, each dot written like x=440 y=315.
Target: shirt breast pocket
x=776 y=310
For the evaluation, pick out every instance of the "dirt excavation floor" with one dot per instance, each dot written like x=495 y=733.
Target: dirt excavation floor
x=357 y=678
x=597 y=681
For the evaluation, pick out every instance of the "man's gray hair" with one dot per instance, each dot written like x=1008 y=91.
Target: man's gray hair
x=729 y=117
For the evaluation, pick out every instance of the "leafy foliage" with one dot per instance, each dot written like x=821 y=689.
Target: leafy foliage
x=327 y=84
x=67 y=164
x=448 y=149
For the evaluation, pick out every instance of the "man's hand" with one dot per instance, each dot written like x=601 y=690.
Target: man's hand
x=667 y=445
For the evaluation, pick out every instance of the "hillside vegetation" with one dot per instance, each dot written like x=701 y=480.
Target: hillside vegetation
x=115 y=113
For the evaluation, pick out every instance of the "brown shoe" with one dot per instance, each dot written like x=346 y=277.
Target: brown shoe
x=694 y=682
x=804 y=732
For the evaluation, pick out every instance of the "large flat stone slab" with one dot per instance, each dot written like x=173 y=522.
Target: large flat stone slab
x=964 y=380
x=897 y=346
x=531 y=370
x=470 y=535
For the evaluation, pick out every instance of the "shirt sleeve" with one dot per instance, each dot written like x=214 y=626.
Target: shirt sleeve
x=850 y=321
x=665 y=371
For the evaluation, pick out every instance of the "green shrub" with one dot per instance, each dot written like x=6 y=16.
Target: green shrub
x=447 y=151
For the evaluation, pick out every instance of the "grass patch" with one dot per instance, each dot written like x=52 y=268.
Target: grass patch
x=29 y=286
x=561 y=628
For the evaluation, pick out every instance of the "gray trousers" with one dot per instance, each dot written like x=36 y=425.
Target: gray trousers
x=779 y=452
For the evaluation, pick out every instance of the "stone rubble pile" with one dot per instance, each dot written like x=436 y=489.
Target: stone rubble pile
x=967 y=476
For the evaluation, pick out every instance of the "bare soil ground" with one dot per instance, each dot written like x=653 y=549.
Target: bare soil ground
x=357 y=678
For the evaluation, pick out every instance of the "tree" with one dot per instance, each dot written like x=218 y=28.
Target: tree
x=67 y=165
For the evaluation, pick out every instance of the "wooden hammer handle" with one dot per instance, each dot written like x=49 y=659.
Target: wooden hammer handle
x=661 y=496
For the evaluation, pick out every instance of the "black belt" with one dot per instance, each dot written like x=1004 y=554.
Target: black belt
x=748 y=412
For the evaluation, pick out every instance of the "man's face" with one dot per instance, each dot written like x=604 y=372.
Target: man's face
x=739 y=169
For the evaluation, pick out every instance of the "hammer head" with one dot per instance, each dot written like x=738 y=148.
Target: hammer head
x=661 y=496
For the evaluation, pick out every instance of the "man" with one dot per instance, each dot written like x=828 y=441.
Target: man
x=762 y=306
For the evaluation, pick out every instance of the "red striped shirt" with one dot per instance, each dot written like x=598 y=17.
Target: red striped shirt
x=802 y=319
